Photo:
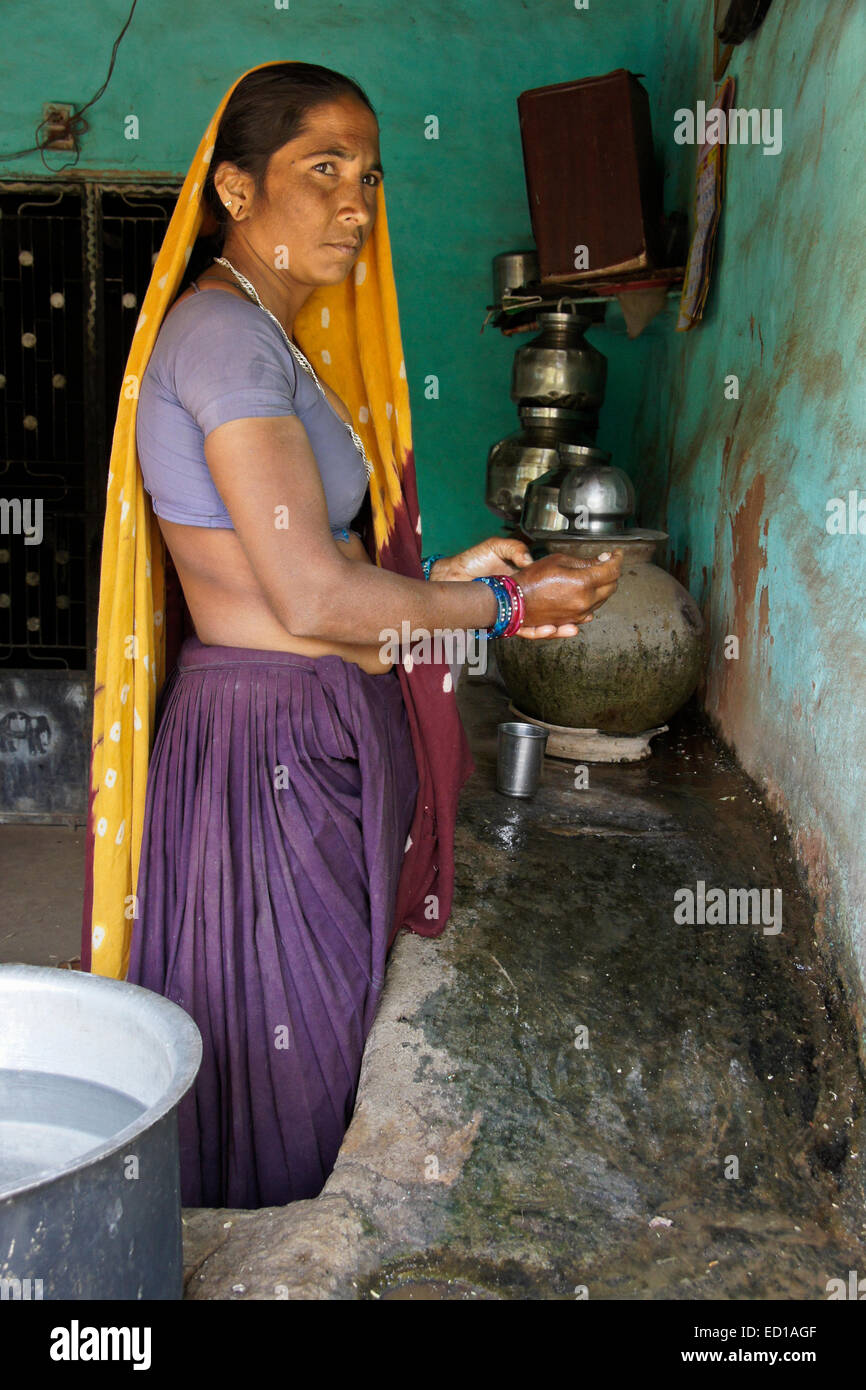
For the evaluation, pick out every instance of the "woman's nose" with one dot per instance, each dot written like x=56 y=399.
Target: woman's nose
x=356 y=203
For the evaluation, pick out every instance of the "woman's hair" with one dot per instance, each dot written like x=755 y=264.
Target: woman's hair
x=268 y=108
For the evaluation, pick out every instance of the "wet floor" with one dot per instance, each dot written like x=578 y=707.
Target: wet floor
x=671 y=1109
x=572 y=1094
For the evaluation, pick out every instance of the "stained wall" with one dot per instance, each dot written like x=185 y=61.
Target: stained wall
x=744 y=484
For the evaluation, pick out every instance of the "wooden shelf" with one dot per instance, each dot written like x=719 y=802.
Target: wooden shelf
x=599 y=293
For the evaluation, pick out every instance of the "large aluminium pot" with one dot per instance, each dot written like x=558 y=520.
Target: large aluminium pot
x=560 y=367
x=629 y=669
x=91 y=1073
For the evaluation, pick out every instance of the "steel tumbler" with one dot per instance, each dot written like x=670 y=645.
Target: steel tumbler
x=520 y=757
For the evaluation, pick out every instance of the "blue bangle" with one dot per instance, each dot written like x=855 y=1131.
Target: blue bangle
x=503 y=601
x=428 y=564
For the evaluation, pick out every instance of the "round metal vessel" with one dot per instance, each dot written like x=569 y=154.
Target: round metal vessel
x=512 y=270
x=514 y=462
x=560 y=367
x=91 y=1074
x=585 y=494
x=597 y=498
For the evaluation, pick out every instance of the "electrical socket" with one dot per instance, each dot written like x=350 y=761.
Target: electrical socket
x=56 y=116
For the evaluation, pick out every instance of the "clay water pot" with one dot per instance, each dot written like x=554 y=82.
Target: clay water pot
x=632 y=667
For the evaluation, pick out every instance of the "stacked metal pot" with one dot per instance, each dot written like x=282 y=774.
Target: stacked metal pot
x=639 y=660
x=557 y=382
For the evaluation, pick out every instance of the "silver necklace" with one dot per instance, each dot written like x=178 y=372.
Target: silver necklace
x=297 y=354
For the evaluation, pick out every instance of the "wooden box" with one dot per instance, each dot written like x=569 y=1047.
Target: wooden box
x=591 y=177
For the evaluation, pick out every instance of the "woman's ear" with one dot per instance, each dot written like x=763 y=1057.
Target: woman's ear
x=234 y=188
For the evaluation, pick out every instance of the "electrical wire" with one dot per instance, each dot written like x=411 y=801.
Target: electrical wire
x=76 y=125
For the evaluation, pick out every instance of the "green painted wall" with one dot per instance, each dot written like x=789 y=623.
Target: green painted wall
x=452 y=204
x=743 y=485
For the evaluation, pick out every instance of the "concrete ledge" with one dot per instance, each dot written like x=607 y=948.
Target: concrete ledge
x=570 y=1095
x=378 y=1207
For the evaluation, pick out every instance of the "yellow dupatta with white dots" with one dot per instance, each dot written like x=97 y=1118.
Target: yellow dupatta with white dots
x=351 y=333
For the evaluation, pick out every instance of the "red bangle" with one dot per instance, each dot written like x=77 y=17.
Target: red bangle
x=518 y=605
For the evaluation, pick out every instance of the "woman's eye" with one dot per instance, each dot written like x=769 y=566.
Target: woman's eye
x=328 y=167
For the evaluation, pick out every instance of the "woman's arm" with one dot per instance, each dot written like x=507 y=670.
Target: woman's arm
x=265 y=470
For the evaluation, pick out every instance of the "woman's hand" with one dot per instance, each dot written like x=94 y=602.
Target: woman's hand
x=496 y=555
x=501 y=555
x=562 y=592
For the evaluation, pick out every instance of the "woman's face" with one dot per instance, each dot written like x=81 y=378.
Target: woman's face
x=318 y=205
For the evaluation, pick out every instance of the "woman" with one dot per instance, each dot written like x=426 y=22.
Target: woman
x=301 y=792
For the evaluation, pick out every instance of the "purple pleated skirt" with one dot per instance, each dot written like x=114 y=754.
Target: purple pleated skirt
x=280 y=793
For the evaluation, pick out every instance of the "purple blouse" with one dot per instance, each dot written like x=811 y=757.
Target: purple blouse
x=217 y=358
